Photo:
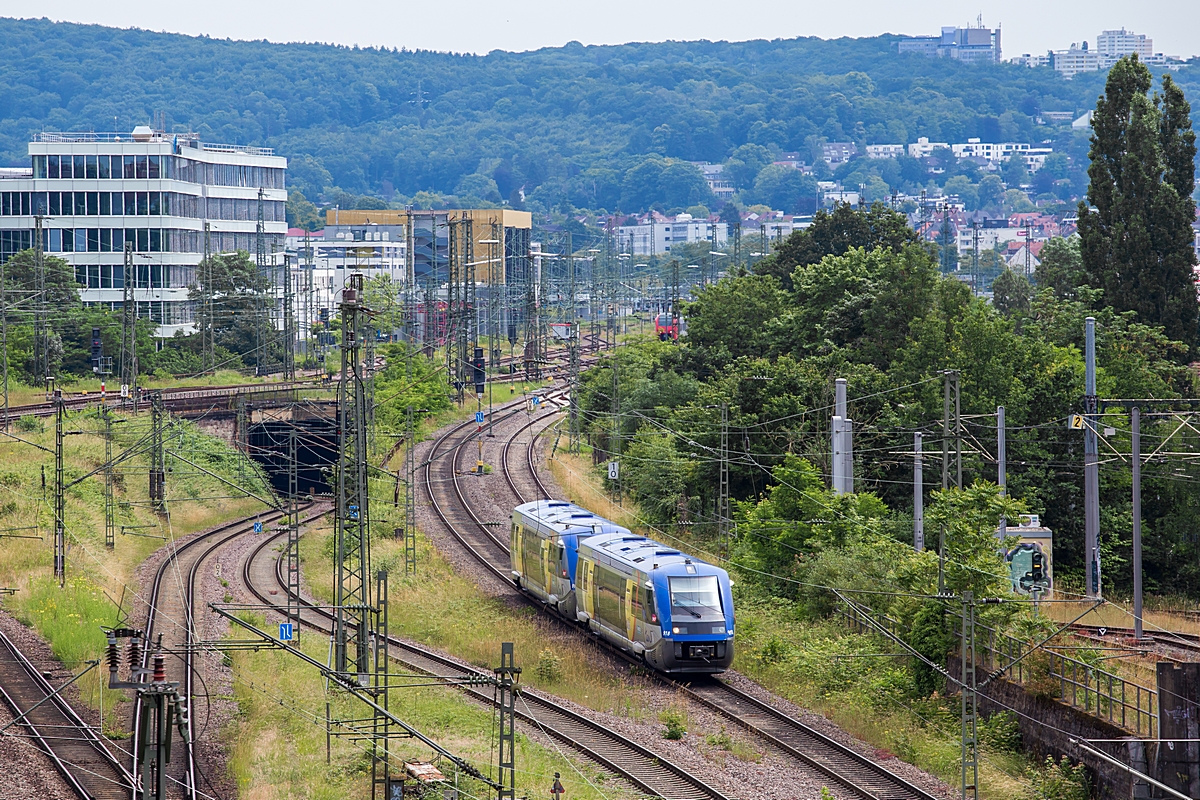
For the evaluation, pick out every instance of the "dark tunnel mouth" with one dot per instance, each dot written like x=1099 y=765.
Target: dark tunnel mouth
x=316 y=452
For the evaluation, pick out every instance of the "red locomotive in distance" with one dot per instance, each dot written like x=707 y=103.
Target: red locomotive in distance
x=666 y=327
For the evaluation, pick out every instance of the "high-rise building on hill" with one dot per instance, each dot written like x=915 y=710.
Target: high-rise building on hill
x=96 y=192
x=973 y=45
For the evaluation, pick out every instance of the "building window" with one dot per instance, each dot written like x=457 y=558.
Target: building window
x=130 y=204
x=80 y=169
x=106 y=240
x=39 y=166
x=154 y=171
x=142 y=237
x=54 y=243
x=51 y=166
x=39 y=202
x=143 y=204
x=105 y=204
x=103 y=168
x=80 y=204
x=155 y=240
x=93 y=204
x=155 y=208
x=55 y=208
x=80 y=240
x=118 y=240
x=90 y=168
x=128 y=167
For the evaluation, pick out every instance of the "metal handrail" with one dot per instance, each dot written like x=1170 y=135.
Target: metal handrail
x=1096 y=691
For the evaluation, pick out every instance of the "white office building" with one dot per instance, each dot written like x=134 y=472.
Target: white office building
x=656 y=236
x=96 y=192
x=1115 y=44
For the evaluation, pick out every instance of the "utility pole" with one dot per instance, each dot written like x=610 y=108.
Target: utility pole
x=918 y=493
x=410 y=494
x=1091 y=466
x=382 y=723
x=969 y=702
x=41 y=343
x=1002 y=464
x=723 y=515
x=289 y=323
x=207 y=341
x=352 y=519
x=573 y=383
x=60 y=506
x=1028 y=249
x=129 y=367
x=292 y=521
x=676 y=317
x=507 y=676
x=158 y=471
x=615 y=443
x=260 y=260
x=110 y=511
x=949 y=389
x=975 y=287
x=4 y=335
x=1136 y=426
x=842 y=446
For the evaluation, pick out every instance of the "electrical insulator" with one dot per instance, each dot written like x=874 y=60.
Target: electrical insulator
x=135 y=653
x=112 y=655
x=160 y=667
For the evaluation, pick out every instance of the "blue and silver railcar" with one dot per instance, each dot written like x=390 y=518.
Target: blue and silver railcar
x=673 y=610
x=544 y=548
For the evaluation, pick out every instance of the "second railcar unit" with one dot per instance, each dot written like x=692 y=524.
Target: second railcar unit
x=544 y=546
x=674 y=611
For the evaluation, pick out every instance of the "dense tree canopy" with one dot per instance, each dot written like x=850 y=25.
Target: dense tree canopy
x=881 y=315
x=563 y=125
x=1137 y=242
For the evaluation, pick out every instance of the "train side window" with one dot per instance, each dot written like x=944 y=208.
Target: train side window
x=651 y=611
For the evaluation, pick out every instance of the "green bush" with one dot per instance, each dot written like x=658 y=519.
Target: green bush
x=1060 y=781
x=675 y=721
x=548 y=667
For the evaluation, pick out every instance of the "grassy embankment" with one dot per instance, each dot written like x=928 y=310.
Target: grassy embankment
x=98 y=579
x=822 y=666
x=282 y=745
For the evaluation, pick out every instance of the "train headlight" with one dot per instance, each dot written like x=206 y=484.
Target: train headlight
x=675 y=629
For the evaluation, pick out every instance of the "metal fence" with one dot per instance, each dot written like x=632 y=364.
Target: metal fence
x=1076 y=683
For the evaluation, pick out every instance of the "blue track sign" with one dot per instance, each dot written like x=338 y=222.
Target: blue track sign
x=258 y=527
x=537 y=401
x=285 y=631
x=479 y=417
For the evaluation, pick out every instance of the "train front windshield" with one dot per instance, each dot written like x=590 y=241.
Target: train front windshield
x=696 y=598
x=664 y=320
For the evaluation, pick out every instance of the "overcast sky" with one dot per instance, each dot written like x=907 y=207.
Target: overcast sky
x=475 y=26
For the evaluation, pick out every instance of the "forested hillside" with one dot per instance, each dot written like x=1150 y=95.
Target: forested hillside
x=566 y=124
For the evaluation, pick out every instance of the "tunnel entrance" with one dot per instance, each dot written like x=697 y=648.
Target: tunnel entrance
x=315 y=425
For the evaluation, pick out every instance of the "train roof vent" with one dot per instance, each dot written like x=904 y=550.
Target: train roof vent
x=666 y=552
x=584 y=515
x=557 y=503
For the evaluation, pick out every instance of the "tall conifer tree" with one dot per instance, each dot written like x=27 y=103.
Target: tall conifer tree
x=1137 y=242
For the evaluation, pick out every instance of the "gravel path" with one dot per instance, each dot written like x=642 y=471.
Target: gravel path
x=738 y=763
x=28 y=772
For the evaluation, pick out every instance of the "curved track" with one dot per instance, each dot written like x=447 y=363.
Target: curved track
x=78 y=752
x=641 y=767
x=851 y=769
x=171 y=613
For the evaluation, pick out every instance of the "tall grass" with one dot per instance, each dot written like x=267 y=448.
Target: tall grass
x=100 y=584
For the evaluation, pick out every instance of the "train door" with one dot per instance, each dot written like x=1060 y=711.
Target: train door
x=587 y=582
x=548 y=550
x=630 y=622
x=515 y=549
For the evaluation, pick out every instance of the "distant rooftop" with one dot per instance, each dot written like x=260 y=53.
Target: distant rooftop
x=143 y=133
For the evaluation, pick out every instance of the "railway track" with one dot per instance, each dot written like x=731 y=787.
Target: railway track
x=177 y=396
x=849 y=768
x=171 y=613
x=78 y=752
x=1187 y=642
x=643 y=768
